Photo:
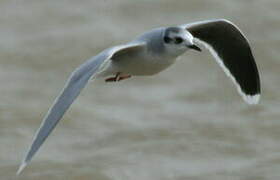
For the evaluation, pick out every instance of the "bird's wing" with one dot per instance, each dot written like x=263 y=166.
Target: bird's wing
x=232 y=51
x=76 y=82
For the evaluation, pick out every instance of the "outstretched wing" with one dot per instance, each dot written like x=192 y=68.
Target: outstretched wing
x=76 y=82
x=233 y=53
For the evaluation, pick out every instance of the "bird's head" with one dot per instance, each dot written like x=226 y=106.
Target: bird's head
x=177 y=40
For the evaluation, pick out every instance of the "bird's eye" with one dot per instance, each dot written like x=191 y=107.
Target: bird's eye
x=167 y=39
x=178 y=40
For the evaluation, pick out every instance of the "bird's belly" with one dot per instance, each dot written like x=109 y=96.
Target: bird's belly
x=142 y=66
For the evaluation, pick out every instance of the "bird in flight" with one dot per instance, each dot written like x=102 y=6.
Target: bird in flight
x=153 y=52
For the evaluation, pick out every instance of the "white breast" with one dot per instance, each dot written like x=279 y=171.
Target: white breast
x=141 y=65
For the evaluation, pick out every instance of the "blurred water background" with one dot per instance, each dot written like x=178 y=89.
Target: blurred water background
x=187 y=123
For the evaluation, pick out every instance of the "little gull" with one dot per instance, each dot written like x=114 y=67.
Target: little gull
x=151 y=53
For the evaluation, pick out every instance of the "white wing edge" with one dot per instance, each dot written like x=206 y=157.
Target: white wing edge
x=250 y=99
x=21 y=167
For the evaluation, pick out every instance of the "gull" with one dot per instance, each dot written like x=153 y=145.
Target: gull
x=153 y=52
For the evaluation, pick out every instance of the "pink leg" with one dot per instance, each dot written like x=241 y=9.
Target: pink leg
x=113 y=79
x=124 y=77
x=118 y=77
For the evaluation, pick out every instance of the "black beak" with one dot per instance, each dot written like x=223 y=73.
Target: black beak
x=194 y=47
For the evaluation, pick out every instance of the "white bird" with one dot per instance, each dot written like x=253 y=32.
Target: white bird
x=151 y=53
